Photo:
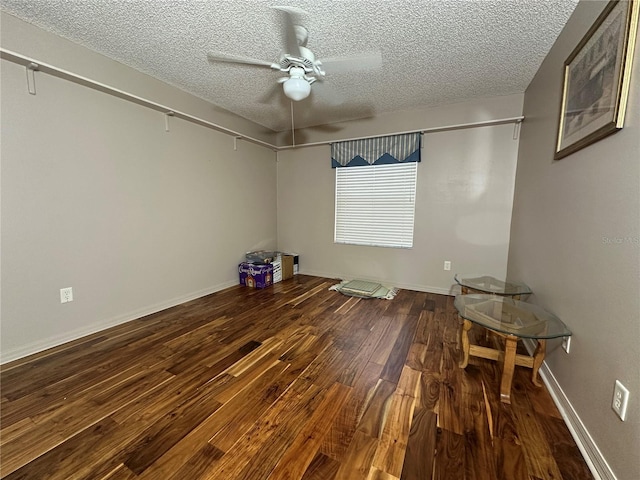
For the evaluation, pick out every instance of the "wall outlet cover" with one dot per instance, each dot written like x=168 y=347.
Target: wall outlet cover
x=66 y=295
x=620 y=400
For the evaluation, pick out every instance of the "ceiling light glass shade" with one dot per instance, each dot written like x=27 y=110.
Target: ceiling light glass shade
x=296 y=88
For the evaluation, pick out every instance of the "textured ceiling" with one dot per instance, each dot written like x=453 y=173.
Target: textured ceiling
x=433 y=51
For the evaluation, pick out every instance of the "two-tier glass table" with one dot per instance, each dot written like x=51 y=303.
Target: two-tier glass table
x=487 y=284
x=511 y=320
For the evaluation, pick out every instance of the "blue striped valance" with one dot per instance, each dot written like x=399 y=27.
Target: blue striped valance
x=376 y=151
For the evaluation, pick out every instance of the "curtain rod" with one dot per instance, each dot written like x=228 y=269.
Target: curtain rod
x=35 y=65
x=460 y=126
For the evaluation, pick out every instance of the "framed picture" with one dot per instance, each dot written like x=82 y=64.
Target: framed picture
x=597 y=76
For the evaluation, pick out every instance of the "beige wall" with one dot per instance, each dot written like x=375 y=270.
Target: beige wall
x=97 y=196
x=463 y=202
x=575 y=239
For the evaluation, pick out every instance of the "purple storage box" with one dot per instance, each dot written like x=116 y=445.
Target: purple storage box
x=255 y=276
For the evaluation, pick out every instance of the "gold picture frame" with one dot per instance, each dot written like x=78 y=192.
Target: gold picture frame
x=597 y=76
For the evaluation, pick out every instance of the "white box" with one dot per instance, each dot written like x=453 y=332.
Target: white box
x=277 y=271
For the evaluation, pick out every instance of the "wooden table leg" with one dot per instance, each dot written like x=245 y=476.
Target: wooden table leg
x=464 y=337
x=538 y=358
x=509 y=366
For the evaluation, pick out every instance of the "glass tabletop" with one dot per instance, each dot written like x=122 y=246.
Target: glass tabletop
x=509 y=316
x=488 y=284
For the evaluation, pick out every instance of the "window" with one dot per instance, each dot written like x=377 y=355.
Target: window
x=375 y=204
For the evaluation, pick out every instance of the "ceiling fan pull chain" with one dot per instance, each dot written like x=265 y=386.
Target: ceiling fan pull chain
x=293 y=130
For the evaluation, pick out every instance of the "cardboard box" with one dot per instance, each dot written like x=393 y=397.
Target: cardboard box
x=287 y=266
x=296 y=262
x=255 y=276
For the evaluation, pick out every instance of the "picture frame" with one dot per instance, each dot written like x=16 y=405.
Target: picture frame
x=597 y=76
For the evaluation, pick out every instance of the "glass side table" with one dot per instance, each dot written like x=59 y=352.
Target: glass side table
x=490 y=285
x=512 y=320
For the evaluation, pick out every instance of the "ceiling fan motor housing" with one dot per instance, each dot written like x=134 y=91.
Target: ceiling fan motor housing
x=306 y=60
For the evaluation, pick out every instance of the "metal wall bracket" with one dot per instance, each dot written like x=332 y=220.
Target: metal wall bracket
x=166 y=120
x=516 y=129
x=31 y=77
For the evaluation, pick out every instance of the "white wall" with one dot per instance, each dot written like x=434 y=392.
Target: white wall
x=97 y=196
x=575 y=239
x=463 y=202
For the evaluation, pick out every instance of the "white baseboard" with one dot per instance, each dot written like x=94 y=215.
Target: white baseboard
x=598 y=465
x=425 y=288
x=44 y=344
x=596 y=462
x=405 y=286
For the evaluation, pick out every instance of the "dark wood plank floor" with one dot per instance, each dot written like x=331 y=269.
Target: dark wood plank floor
x=291 y=382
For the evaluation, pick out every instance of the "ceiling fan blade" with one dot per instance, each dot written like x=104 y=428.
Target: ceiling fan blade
x=365 y=61
x=270 y=95
x=217 y=57
x=290 y=10
x=288 y=15
x=326 y=94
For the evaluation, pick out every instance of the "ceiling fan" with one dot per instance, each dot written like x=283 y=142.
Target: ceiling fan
x=298 y=62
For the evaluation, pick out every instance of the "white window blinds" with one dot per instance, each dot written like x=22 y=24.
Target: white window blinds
x=375 y=205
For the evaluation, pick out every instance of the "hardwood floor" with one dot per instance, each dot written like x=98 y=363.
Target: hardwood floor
x=290 y=382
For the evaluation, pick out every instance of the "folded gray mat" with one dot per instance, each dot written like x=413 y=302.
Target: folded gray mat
x=364 y=289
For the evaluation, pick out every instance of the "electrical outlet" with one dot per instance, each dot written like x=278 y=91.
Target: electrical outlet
x=447 y=265
x=66 y=295
x=620 y=400
x=566 y=344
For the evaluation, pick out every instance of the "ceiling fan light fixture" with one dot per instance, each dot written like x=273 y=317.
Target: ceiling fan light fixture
x=296 y=88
